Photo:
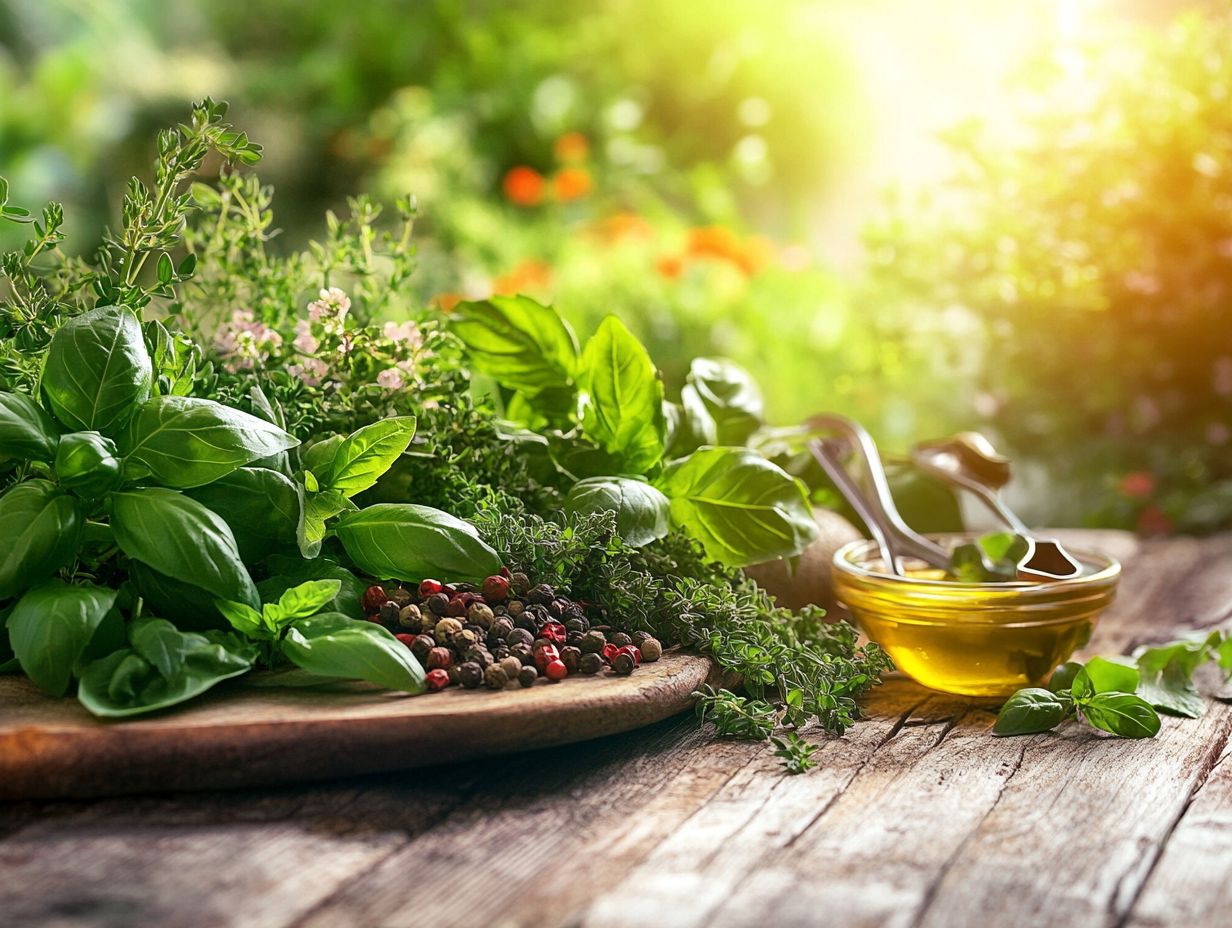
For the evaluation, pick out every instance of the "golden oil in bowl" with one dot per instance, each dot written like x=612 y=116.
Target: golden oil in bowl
x=975 y=639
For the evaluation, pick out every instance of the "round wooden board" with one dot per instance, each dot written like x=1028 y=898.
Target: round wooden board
x=241 y=735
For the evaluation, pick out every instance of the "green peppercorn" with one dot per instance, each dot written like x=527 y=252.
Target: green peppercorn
x=623 y=664
x=590 y=663
x=592 y=642
x=571 y=657
x=480 y=614
x=511 y=665
x=495 y=678
x=621 y=640
x=445 y=629
x=470 y=674
x=409 y=616
x=527 y=676
x=651 y=650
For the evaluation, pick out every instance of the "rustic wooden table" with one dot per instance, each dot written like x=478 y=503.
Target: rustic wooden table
x=917 y=817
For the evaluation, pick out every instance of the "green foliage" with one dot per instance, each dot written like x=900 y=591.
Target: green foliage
x=297 y=602
x=40 y=532
x=643 y=514
x=26 y=431
x=735 y=716
x=795 y=753
x=525 y=346
x=50 y=629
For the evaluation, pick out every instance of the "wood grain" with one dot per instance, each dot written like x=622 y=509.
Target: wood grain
x=242 y=735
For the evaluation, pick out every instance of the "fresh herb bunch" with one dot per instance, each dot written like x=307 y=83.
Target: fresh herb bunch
x=795 y=753
x=735 y=716
x=808 y=668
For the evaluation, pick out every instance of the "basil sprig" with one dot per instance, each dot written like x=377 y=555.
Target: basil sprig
x=1101 y=692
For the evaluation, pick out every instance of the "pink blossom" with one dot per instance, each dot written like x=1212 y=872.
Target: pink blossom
x=390 y=379
x=405 y=332
x=310 y=371
x=331 y=307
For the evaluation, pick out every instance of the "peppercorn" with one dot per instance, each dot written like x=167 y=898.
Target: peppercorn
x=528 y=675
x=462 y=640
x=445 y=629
x=409 y=616
x=475 y=630
x=470 y=674
x=519 y=636
x=609 y=652
x=374 y=597
x=511 y=665
x=574 y=639
x=541 y=595
x=438 y=603
x=429 y=588
x=457 y=606
x=545 y=654
x=481 y=614
x=478 y=656
x=639 y=637
x=556 y=609
x=623 y=664
x=555 y=670
x=541 y=642
x=581 y=626
x=496 y=589
x=389 y=612
x=500 y=652
x=651 y=650
x=553 y=632
x=436 y=680
x=620 y=639
x=515 y=607
x=519 y=583
x=495 y=677
x=575 y=611
x=407 y=640
x=454 y=678
x=570 y=657
x=501 y=627
x=401 y=596
x=439 y=657
x=523 y=653
x=465 y=587
x=593 y=642
x=527 y=621
x=421 y=646
x=590 y=663
x=633 y=653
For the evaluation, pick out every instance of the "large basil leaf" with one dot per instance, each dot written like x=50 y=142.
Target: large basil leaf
x=40 y=532
x=523 y=345
x=332 y=645
x=624 y=414
x=185 y=442
x=731 y=395
x=1122 y=714
x=643 y=514
x=366 y=454
x=1029 y=712
x=97 y=370
x=318 y=509
x=191 y=607
x=261 y=506
x=162 y=667
x=410 y=542
x=690 y=425
x=26 y=431
x=742 y=508
x=181 y=538
x=86 y=463
x=51 y=626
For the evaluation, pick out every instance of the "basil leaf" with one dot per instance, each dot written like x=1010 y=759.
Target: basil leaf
x=1111 y=677
x=26 y=431
x=332 y=645
x=364 y=456
x=299 y=602
x=126 y=683
x=1063 y=677
x=643 y=514
x=97 y=370
x=318 y=508
x=286 y=572
x=1167 y=674
x=689 y=424
x=407 y=541
x=1082 y=689
x=523 y=345
x=742 y=508
x=261 y=507
x=86 y=463
x=181 y=538
x=186 y=442
x=160 y=643
x=244 y=619
x=192 y=607
x=731 y=395
x=623 y=413
x=319 y=456
x=40 y=532
x=51 y=626
x=1028 y=712
x=1122 y=714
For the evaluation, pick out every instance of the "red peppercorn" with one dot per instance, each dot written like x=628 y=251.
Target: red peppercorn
x=544 y=655
x=554 y=632
x=496 y=589
x=374 y=598
x=440 y=658
x=429 y=588
x=633 y=653
x=609 y=652
x=407 y=640
x=504 y=572
x=555 y=670
x=437 y=679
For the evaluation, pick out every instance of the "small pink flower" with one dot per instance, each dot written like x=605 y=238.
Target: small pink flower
x=390 y=379
x=306 y=343
x=405 y=332
x=310 y=372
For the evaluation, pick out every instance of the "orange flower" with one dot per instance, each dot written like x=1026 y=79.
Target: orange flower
x=721 y=243
x=447 y=301
x=670 y=267
x=523 y=186
x=1138 y=485
x=526 y=276
x=572 y=184
x=571 y=147
x=620 y=226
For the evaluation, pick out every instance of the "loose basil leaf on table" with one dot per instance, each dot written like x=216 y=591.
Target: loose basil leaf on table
x=333 y=645
x=623 y=413
x=1121 y=714
x=643 y=514
x=52 y=625
x=521 y=344
x=184 y=665
x=181 y=538
x=742 y=508
x=262 y=507
x=26 y=431
x=97 y=370
x=1107 y=676
x=732 y=397
x=185 y=442
x=1167 y=674
x=40 y=532
x=404 y=540
x=1030 y=711
x=362 y=457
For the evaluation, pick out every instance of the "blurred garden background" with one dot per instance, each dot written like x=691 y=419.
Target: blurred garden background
x=960 y=214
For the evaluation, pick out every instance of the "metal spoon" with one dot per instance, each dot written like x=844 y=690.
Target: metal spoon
x=893 y=536
x=968 y=460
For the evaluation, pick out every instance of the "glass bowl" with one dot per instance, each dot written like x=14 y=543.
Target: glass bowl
x=975 y=639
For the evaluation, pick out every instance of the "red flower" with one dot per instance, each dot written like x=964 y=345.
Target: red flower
x=1138 y=484
x=523 y=186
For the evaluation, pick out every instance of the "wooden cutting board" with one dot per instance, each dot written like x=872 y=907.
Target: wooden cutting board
x=242 y=735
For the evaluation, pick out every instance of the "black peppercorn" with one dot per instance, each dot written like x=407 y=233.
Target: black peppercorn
x=621 y=640
x=465 y=588
x=527 y=621
x=571 y=657
x=519 y=583
x=389 y=612
x=470 y=674
x=593 y=641
x=575 y=611
x=421 y=646
x=519 y=636
x=438 y=603
x=452 y=673
x=639 y=637
x=515 y=607
x=495 y=677
x=527 y=676
x=577 y=625
x=623 y=664
x=590 y=663
x=556 y=608
x=574 y=639
x=501 y=627
x=478 y=656
x=523 y=652
x=541 y=595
